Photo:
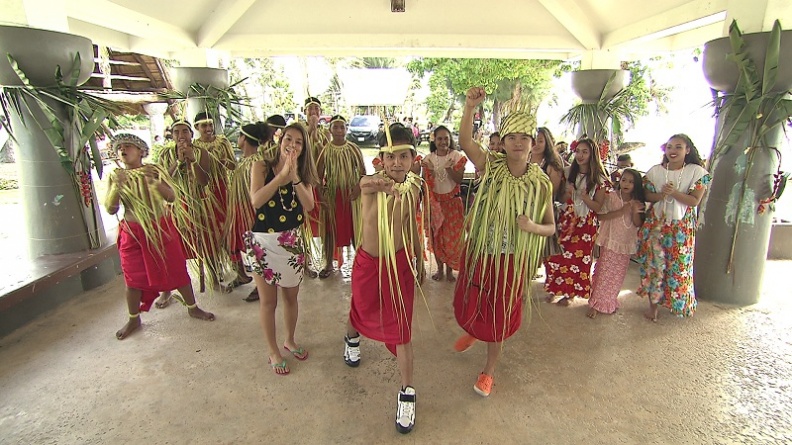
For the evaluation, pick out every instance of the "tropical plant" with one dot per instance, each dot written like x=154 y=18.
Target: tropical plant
x=605 y=118
x=755 y=109
x=216 y=100
x=73 y=136
x=85 y=119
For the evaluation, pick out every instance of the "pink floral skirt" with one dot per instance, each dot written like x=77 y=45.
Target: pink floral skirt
x=278 y=257
x=607 y=280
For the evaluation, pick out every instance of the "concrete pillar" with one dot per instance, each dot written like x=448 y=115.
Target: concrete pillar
x=156 y=113
x=713 y=277
x=54 y=212
x=183 y=77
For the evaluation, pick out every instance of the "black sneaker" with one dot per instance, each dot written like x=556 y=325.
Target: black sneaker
x=352 y=351
x=405 y=410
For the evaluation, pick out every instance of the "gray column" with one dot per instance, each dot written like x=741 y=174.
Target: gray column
x=53 y=209
x=715 y=279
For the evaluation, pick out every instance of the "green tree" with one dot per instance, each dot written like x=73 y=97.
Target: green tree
x=266 y=85
x=510 y=83
x=643 y=90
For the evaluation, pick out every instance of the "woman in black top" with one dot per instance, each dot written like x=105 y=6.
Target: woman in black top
x=281 y=191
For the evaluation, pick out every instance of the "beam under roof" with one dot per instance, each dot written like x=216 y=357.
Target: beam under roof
x=222 y=18
x=107 y=14
x=575 y=20
x=697 y=13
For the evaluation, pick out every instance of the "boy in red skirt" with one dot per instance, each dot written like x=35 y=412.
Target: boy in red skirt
x=148 y=243
x=383 y=274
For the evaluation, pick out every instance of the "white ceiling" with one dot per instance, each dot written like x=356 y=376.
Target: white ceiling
x=560 y=29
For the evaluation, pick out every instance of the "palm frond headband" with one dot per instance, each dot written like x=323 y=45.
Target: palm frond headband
x=250 y=136
x=390 y=148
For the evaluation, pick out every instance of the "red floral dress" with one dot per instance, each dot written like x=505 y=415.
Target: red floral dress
x=569 y=274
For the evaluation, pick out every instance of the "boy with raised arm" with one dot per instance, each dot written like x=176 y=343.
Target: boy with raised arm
x=510 y=218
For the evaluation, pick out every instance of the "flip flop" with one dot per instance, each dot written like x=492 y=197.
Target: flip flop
x=325 y=273
x=299 y=353
x=282 y=366
x=252 y=297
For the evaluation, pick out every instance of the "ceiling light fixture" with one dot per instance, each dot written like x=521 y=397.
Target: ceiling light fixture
x=397 y=5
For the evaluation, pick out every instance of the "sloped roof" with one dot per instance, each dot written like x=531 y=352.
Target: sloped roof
x=130 y=72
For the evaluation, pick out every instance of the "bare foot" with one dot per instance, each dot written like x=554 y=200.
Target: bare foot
x=450 y=277
x=592 y=313
x=651 y=314
x=549 y=298
x=130 y=327
x=200 y=314
x=438 y=276
x=564 y=301
x=163 y=301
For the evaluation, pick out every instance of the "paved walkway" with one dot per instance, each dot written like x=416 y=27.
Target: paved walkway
x=723 y=376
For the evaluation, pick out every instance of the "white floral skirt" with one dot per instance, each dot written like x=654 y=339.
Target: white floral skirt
x=278 y=257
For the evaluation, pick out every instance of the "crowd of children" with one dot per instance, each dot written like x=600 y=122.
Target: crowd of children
x=537 y=202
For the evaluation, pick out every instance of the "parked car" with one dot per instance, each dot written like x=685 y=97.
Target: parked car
x=364 y=129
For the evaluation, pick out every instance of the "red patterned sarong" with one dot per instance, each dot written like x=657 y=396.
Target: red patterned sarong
x=151 y=269
x=447 y=217
x=481 y=301
x=379 y=311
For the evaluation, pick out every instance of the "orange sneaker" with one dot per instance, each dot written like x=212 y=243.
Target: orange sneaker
x=464 y=343
x=483 y=385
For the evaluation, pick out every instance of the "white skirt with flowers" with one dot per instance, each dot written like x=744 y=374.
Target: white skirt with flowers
x=278 y=257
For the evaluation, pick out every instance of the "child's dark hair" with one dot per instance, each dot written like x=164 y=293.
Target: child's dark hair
x=596 y=174
x=691 y=158
x=433 y=147
x=256 y=134
x=624 y=158
x=638 y=190
x=399 y=134
x=494 y=134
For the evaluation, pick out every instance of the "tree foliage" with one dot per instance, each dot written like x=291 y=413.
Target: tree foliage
x=267 y=86
x=643 y=90
x=501 y=78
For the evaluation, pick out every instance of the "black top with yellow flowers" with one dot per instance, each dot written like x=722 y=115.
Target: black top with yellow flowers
x=282 y=212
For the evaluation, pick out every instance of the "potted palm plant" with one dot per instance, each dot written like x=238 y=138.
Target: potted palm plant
x=54 y=122
x=752 y=106
x=603 y=115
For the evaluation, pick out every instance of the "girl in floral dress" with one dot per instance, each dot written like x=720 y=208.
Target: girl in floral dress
x=668 y=236
x=281 y=190
x=443 y=169
x=618 y=239
x=568 y=274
